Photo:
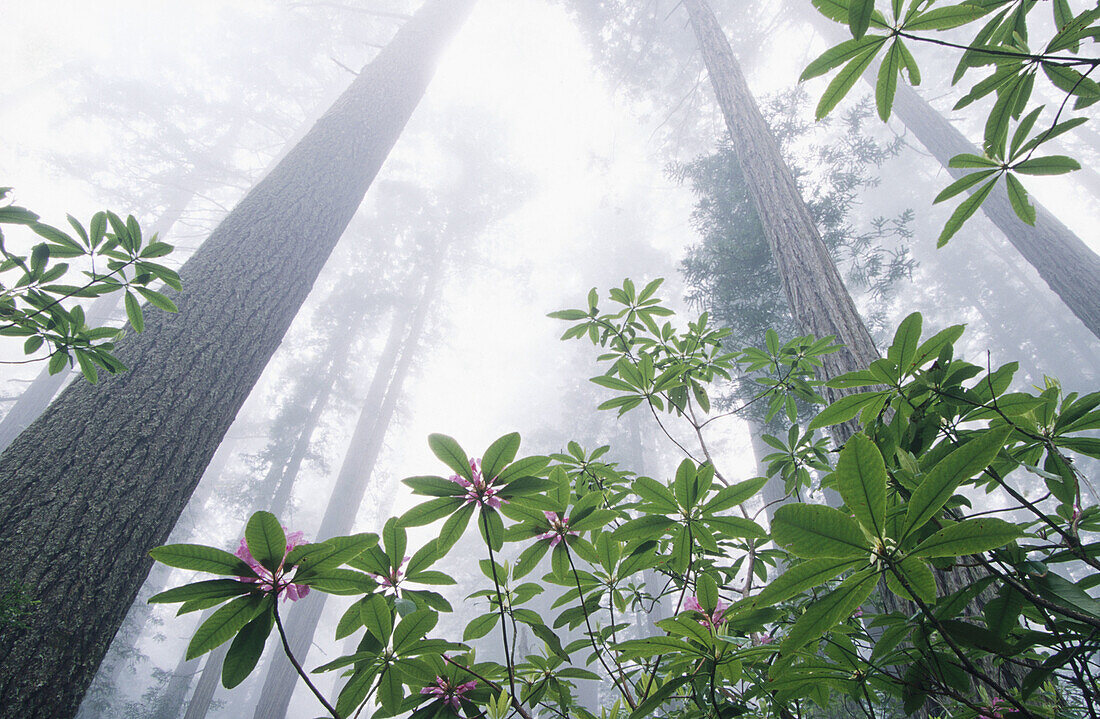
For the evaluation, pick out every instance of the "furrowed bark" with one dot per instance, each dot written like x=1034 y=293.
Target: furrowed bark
x=101 y=477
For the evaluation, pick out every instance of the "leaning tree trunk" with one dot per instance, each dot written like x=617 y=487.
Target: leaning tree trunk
x=818 y=300
x=102 y=475
x=348 y=491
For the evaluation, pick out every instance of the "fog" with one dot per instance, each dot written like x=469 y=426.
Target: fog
x=548 y=155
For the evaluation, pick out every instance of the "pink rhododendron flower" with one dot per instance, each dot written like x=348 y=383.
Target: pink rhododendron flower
x=448 y=692
x=274 y=581
x=764 y=639
x=996 y=709
x=857 y=614
x=710 y=620
x=559 y=528
x=481 y=490
x=390 y=581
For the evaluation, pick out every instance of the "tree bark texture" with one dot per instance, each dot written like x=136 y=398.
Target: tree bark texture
x=818 y=300
x=101 y=477
x=348 y=491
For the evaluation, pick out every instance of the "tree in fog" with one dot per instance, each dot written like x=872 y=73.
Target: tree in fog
x=100 y=478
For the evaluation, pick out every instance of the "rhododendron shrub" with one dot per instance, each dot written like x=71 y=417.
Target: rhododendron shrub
x=771 y=610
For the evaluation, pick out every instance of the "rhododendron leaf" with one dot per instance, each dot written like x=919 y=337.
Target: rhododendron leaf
x=453 y=529
x=210 y=589
x=247 y=646
x=706 y=590
x=395 y=541
x=861 y=481
x=970 y=536
x=940 y=482
x=451 y=454
x=915 y=578
x=524 y=467
x=412 y=628
x=735 y=494
x=266 y=539
x=428 y=512
x=499 y=454
x=331 y=552
x=434 y=486
x=377 y=617
x=480 y=626
x=201 y=558
x=799 y=578
x=335 y=580
x=224 y=624
x=814 y=530
x=827 y=611
x=492 y=528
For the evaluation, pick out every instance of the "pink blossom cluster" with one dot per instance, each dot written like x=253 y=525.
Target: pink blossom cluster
x=710 y=620
x=450 y=693
x=391 y=580
x=276 y=581
x=996 y=710
x=559 y=528
x=480 y=490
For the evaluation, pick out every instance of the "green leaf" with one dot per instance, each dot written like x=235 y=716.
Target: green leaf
x=963 y=183
x=428 y=512
x=859 y=16
x=903 y=350
x=499 y=455
x=836 y=56
x=887 y=83
x=815 y=530
x=448 y=451
x=1017 y=195
x=244 y=653
x=454 y=528
x=266 y=539
x=917 y=577
x=843 y=409
x=157 y=299
x=963 y=212
x=224 y=624
x=827 y=611
x=133 y=313
x=412 y=628
x=209 y=589
x=735 y=494
x=861 y=481
x=941 y=481
x=970 y=536
x=846 y=78
x=201 y=558
x=87 y=367
x=706 y=590
x=803 y=576
x=377 y=617
x=1049 y=165
x=480 y=626
x=946 y=18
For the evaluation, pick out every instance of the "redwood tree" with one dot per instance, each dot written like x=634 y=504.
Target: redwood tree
x=103 y=474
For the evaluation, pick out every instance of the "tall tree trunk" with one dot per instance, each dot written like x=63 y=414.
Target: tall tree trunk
x=349 y=489
x=818 y=300
x=101 y=477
